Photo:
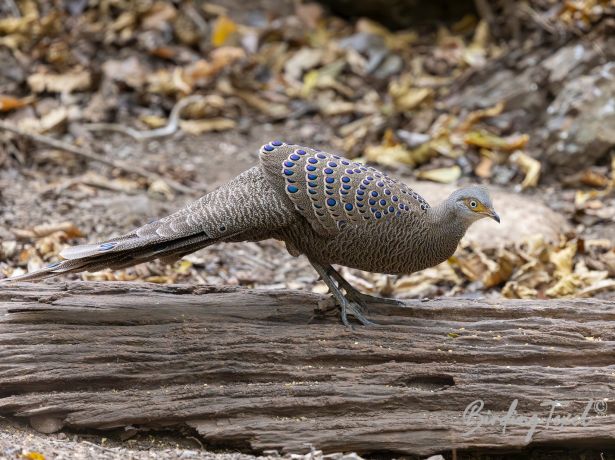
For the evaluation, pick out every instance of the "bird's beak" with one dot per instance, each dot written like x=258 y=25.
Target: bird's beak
x=494 y=215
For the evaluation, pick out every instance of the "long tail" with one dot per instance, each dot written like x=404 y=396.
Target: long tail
x=142 y=245
x=245 y=207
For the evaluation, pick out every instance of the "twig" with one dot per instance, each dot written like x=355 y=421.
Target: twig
x=61 y=145
x=170 y=128
x=106 y=449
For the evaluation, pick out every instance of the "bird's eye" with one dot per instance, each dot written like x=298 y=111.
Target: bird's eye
x=473 y=204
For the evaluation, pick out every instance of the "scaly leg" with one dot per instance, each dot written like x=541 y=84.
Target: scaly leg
x=347 y=307
x=357 y=296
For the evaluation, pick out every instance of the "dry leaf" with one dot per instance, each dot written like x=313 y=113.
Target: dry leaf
x=204 y=126
x=442 y=175
x=77 y=80
x=39 y=231
x=492 y=142
x=530 y=166
x=8 y=103
x=223 y=31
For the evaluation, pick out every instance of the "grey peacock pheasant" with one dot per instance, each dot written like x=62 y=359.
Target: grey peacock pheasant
x=329 y=208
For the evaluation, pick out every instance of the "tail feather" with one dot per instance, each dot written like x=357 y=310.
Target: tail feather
x=116 y=254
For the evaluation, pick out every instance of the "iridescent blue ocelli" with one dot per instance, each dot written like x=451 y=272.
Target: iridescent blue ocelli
x=106 y=246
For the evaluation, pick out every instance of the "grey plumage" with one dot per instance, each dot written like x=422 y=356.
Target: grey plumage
x=329 y=208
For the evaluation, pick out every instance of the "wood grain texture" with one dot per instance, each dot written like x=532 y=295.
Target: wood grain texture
x=248 y=370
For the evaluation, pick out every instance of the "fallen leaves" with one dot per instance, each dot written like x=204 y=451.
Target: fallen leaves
x=66 y=229
x=442 y=175
x=223 y=31
x=8 y=103
x=490 y=141
x=66 y=83
x=530 y=166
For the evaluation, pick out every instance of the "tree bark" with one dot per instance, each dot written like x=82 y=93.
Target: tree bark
x=247 y=369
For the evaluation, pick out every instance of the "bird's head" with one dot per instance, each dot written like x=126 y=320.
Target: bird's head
x=472 y=203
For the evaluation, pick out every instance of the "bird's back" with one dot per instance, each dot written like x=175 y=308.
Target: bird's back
x=353 y=214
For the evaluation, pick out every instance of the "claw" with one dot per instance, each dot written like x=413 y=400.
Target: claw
x=353 y=303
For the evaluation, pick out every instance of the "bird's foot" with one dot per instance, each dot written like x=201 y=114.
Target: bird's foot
x=355 y=309
x=345 y=308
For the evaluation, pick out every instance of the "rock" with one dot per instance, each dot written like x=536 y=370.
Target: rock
x=521 y=216
x=524 y=94
x=580 y=129
x=46 y=424
x=569 y=62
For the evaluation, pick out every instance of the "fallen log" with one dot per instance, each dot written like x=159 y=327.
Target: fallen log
x=248 y=369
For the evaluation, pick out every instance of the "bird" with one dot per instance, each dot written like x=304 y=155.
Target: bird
x=331 y=209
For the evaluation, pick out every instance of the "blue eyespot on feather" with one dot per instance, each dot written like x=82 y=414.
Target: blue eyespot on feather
x=268 y=148
x=276 y=143
x=331 y=202
x=292 y=189
x=106 y=246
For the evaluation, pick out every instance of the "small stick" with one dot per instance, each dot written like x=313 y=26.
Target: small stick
x=90 y=155
x=170 y=128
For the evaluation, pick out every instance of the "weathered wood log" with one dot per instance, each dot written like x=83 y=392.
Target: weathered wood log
x=248 y=369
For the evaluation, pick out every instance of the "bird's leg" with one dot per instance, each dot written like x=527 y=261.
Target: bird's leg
x=357 y=296
x=347 y=307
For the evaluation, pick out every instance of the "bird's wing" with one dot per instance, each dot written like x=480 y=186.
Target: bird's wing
x=331 y=191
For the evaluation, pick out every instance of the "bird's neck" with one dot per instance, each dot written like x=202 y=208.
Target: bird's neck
x=446 y=229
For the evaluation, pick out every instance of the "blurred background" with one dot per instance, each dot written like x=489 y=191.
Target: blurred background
x=114 y=113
